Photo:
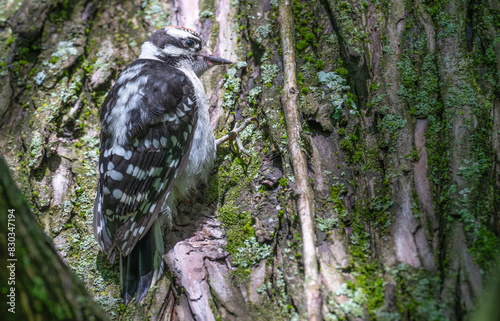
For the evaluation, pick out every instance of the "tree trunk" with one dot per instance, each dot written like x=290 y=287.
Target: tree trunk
x=36 y=284
x=399 y=115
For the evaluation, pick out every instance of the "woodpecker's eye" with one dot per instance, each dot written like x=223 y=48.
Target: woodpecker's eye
x=188 y=43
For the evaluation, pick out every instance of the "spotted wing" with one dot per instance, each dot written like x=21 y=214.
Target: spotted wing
x=136 y=173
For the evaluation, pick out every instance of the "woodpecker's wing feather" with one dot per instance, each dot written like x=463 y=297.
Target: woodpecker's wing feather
x=148 y=122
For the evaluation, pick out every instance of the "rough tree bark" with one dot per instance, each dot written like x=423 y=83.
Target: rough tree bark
x=400 y=124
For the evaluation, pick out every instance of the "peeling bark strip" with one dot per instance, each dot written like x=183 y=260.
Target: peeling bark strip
x=304 y=201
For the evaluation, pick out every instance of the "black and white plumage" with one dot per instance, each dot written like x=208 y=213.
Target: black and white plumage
x=156 y=145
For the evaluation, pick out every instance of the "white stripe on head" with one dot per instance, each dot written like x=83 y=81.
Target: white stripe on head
x=150 y=51
x=179 y=33
x=172 y=50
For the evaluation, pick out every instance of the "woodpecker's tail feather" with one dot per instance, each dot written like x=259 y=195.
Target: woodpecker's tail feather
x=142 y=267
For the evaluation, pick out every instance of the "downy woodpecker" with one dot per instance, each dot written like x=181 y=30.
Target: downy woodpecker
x=156 y=145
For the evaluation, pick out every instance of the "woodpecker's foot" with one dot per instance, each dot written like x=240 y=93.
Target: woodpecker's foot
x=233 y=136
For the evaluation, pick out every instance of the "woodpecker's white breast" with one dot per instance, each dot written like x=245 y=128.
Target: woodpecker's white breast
x=203 y=150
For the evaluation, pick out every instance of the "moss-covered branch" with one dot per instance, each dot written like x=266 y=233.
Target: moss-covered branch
x=299 y=162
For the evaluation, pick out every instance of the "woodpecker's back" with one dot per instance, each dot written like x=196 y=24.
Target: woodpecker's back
x=156 y=139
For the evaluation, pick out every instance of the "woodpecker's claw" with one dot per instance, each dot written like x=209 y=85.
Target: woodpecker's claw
x=239 y=144
x=233 y=136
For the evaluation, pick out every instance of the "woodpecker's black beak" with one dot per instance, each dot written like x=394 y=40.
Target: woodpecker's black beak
x=216 y=60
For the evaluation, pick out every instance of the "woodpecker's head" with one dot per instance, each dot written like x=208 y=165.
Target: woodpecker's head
x=181 y=47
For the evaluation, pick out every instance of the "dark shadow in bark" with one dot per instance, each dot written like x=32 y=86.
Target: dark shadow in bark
x=360 y=74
